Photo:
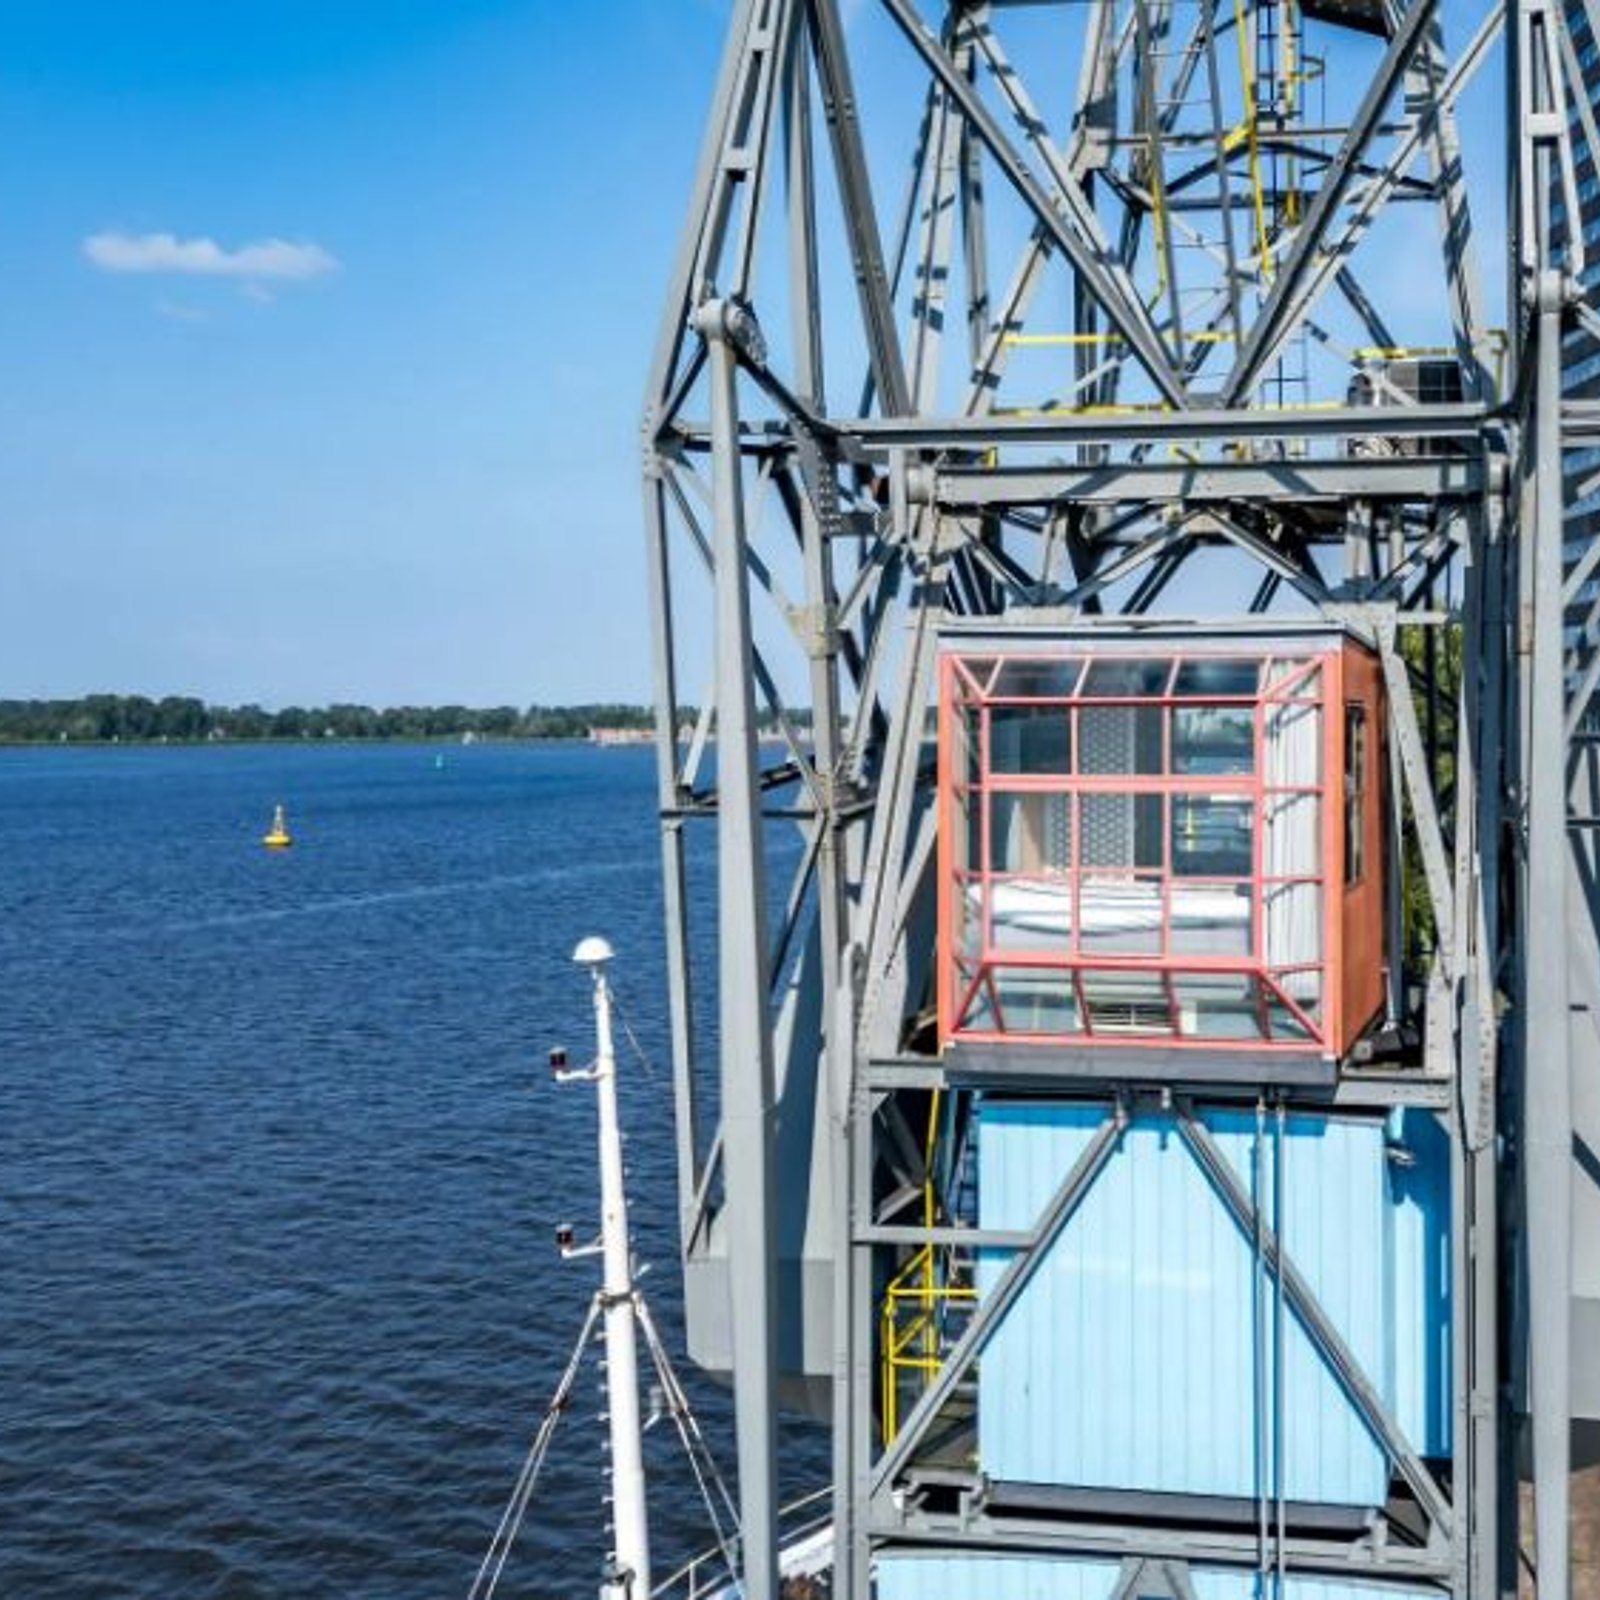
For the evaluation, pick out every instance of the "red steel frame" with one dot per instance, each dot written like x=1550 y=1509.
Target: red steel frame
x=963 y=691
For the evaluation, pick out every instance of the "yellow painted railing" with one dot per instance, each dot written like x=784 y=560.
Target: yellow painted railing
x=917 y=1300
x=911 y=1335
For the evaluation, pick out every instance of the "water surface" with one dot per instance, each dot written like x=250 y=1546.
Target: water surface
x=280 y=1162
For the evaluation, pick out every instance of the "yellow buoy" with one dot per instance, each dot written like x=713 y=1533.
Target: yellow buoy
x=277 y=836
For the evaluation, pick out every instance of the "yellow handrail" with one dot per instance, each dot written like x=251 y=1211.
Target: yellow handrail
x=1248 y=130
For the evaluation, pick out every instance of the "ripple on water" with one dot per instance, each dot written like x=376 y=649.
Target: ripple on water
x=279 y=1163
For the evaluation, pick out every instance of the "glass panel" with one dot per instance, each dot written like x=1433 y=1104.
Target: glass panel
x=1200 y=677
x=1120 y=915
x=968 y=850
x=1038 y=680
x=966 y=915
x=1293 y=738
x=1211 y=837
x=1305 y=989
x=1355 y=793
x=1306 y=684
x=1033 y=914
x=1285 y=1025
x=1292 y=845
x=1037 y=1001
x=1213 y=740
x=1292 y=923
x=1127 y=676
x=1121 y=830
x=1217 y=1005
x=1036 y=740
x=970 y=755
x=1210 y=918
x=1118 y=740
x=1030 y=833
x=977 y=670
x=1126 y=1002
x=979 y=1017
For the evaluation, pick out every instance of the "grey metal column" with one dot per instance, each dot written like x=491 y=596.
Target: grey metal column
x=746 y=1036
x=1547 y=1112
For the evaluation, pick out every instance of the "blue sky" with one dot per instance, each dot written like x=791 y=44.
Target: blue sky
x=407 y=476
x=324 y=325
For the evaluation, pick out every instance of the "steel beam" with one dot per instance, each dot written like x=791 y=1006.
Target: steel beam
x=1547 y=1109
x=1355 y=1562
x=745 y=1036
x=1444 y=422
x=1333 y=482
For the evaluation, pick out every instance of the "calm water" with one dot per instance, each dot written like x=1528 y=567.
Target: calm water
x=280 y=1161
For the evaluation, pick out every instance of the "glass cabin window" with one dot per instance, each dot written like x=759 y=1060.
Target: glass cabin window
x=1355 y=793
x=1135 y=845
x=1212 y=837
x=1218 y=740
x=1035 y=740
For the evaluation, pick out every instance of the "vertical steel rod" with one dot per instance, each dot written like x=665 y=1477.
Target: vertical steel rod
x=745 y=1033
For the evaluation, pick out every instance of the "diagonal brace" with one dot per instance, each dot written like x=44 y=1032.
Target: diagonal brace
x=1289 y=299
x=1131 y=324
x=1306 y=1307
x=1016 y=1277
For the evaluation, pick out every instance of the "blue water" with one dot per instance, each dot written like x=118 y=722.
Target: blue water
x=280 y=1160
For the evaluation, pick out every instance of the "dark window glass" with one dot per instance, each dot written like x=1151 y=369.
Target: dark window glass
x=1130 y=677
x=971 y=730
x=1214 y=740
x=1211 y=837
x=978 y=669
x=1038 y=680
x=1201 y=678
x=1033 y=740
x=1030 y=834
x=1355 y=793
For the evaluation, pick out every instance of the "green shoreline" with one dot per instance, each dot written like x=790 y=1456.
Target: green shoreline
x=187 y=719
x=106 y=719
x=450 y=741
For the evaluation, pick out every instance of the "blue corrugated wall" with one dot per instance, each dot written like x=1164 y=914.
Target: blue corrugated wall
x=940 y=1577
x=1137 y=1355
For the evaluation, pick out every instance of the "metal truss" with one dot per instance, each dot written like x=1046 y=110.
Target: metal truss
x=1141 y=357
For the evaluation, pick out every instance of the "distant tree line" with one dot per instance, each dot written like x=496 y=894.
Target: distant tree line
x=136 y=718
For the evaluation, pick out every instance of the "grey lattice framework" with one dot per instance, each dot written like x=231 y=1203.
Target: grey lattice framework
x=1122 y=309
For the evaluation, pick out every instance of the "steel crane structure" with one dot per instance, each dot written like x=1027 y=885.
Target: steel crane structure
x=1181 y=309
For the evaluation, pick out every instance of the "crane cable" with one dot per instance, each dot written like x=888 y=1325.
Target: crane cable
x=701 y=1461
x=493 y=1564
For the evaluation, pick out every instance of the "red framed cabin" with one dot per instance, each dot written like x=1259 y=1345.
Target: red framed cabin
x=1171 y=841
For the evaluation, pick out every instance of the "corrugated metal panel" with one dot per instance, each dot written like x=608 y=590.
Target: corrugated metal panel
x=1136 y=1358
x=1419 y=1278
x=951 y=1577
x=993 y=1578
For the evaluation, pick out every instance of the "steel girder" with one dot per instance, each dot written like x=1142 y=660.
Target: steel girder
x=839 y=474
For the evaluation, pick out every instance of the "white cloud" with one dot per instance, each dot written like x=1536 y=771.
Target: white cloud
x=166 y=252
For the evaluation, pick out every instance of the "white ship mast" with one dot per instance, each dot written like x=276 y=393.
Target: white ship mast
x=628 y=1574
x=618 y=1310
